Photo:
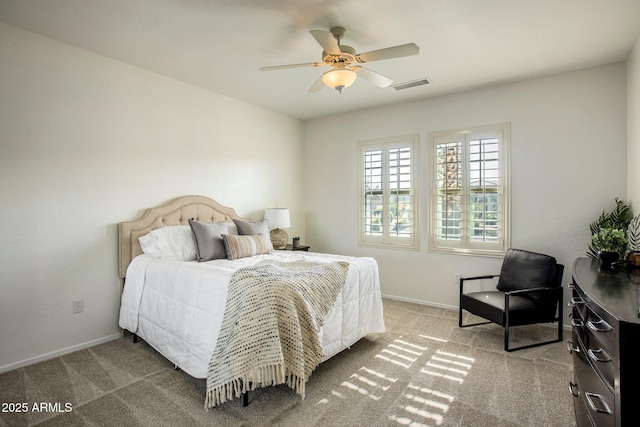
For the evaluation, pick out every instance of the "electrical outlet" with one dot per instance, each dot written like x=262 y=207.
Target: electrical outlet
x=78 y=306
x=456 y=278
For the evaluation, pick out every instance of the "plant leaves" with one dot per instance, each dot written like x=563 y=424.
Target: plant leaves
x=619 y=217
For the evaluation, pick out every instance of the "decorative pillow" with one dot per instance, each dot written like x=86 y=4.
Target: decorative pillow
x=208 y=237
x=172 y=242
x=246 y=246
x=252 y=228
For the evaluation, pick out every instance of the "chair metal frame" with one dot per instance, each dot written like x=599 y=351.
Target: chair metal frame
x=555 y=292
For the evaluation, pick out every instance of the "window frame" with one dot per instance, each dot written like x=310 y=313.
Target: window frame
x=466 y=245
x=385 y=239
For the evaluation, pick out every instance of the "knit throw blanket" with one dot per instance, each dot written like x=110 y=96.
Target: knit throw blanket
x=270 y=332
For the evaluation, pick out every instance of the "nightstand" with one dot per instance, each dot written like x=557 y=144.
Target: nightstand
x=297 y=248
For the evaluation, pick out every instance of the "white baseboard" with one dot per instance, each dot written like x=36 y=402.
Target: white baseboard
x=57 y=353
x=417 y=301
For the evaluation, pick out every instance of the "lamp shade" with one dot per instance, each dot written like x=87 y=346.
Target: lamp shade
x=277 y=217
x=339 y=78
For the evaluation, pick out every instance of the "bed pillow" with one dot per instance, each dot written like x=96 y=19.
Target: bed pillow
x=208 y=237
x=172 y=242
x=252 y=228
x=246 y=246
x=232 y=228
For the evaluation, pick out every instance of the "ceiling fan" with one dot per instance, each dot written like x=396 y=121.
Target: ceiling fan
x=344 y=61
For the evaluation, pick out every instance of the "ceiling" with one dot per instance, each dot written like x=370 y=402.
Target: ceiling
x=221 y=44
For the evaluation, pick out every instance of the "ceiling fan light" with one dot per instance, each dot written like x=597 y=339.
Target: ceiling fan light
x=339 y=78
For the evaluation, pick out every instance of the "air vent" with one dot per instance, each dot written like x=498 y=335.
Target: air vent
x=413 y=83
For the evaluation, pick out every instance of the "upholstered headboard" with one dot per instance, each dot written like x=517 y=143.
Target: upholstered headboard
x=176 y=212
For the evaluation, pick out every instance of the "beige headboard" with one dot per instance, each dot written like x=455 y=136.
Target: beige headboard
x=176 y=212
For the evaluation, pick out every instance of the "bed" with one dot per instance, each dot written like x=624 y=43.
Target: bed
x=176 y=303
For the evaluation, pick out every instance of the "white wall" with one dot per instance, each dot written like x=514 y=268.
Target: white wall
x=568 y=162
x=633 y=127
x=87 y=142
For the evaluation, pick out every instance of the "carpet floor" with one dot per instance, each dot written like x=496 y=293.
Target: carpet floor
x=423 y=371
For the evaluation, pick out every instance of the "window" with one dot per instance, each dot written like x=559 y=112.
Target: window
x=469 y=197
x=388 y=196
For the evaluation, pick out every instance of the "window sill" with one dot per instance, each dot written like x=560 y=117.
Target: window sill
x=389 y=246
x=469 y=252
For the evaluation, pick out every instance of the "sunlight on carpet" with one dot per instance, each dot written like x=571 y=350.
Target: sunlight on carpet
x=437 y=366
x=394 y=353
x=424 y=397
x=420 y=406
x=426 y=407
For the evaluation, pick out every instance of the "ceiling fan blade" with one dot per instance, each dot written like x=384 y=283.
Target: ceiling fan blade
x=388 y=53
x=375 y=78
x=317 y=86
x=327 y=41
x=284 y=67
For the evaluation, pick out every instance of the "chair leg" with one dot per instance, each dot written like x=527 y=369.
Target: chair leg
x=460 y=309
x=460 y=302
x=560 y=335
x=560 y=316
x=506 y=330
x=506 y=322
x=472 y=324
x=506 y=338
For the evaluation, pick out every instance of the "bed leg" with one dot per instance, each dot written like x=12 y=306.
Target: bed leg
x=135 y=338
x=175 y=367
x=245 y=399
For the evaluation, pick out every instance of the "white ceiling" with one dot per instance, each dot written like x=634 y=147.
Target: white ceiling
x=220 y=44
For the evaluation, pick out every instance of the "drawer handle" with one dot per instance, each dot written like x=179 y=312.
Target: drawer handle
x=599 y=355
x=573 y=389
x=599 y=326
x=573 y=347
x=573 y=301
x=603 y=408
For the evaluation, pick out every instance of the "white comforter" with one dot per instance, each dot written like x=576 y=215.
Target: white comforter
x=177 y=307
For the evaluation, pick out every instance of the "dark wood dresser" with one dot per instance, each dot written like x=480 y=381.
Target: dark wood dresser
x=605 y=346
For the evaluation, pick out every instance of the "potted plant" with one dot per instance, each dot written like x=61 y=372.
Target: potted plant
x=619 y=218
x=611 y=243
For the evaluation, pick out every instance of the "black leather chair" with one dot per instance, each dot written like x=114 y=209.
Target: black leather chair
x=529 y=291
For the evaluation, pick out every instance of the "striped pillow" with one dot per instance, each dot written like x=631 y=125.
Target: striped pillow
x=246 y=246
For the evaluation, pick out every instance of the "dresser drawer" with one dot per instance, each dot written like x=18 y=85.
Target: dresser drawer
x=595 y=330
x=581 y=412
x=594 y=318
x=601 y=360
x=601 y=329
x=592 y=394
x=578 y=305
